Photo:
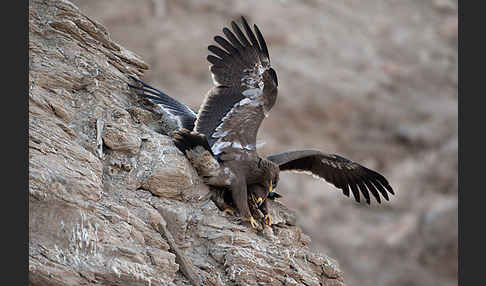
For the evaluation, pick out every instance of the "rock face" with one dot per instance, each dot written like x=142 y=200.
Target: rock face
x=111 y=201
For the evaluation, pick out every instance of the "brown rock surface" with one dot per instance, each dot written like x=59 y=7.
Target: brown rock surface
x=111 y=202
x=374 y=81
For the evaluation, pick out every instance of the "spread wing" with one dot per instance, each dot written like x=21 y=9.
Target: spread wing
x=245 y=90
x=341 y=172
x=184 y=113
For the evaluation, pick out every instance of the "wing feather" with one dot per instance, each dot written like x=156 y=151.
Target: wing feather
x=342 y=183
x=337 y=170
x=245 y=90
x=250 y=34
x=263 y=44
x=372 y=190
x=217 y=62
x=354 y=189
x=364 y=190
x=219 y=52
x=231 y=37
x=380 y=188
x=240 y=34
x=184 y=113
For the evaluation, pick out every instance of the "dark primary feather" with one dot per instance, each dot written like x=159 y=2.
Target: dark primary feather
x=237 y=54
x=186 y=115
x=236 y=66
x=250 y=34
x=341 y=172
x=261 y=40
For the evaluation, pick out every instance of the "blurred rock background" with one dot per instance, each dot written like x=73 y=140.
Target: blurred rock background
x=374 y=81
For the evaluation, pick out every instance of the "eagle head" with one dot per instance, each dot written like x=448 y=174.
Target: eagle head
x=270 y=175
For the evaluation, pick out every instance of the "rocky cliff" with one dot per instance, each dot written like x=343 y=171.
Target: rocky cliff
x=113 y=202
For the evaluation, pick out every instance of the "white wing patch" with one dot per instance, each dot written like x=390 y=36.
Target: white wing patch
x=243 y=101
x=220 y=133
x=237 y=145
x=253 y=77
x=218 y=146
x=250 y=94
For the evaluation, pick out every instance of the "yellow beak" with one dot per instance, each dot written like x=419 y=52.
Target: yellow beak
x=271 y=187
x=259 y=201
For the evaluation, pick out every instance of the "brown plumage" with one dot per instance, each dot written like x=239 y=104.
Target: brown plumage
x=220 y=139
x=337 y=170
x=245 y=90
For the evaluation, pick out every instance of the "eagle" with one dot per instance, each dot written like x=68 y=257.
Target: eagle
x=220 y=138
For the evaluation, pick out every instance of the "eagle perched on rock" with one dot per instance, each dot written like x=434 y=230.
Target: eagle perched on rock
x=220 y=139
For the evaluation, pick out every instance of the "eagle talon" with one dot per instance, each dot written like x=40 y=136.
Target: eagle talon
x=253 y=222
x=268 y=220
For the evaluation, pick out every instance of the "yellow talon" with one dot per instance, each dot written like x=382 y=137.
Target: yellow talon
x=253 y=222
x=268 y=220
x=229 y=211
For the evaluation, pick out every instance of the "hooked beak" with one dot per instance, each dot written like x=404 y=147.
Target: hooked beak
x=270 y=189
x=259 y=201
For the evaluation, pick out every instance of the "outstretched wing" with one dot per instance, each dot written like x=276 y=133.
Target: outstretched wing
x=245 y=90
x=184 y=113
x=341 y=172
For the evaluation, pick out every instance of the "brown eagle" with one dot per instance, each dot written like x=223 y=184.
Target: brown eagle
x=220 y=139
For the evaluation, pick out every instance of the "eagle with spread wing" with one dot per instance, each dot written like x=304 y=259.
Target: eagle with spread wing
x=220 y=139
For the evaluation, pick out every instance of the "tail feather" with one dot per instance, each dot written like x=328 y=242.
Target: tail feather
x=196 y=148
x=185 y=140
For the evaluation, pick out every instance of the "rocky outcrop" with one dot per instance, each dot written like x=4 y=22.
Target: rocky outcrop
x=113 y=202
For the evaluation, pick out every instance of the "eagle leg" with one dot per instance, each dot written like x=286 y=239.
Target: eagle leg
x=266 y=216
x=240 y=199
x=222 y=199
